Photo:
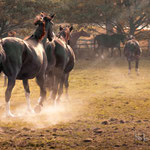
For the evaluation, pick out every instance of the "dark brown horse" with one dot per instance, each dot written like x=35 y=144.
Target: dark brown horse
x=108 y=41
x=61 y=56
x=26 y=59
x=74 y=38
x=132 y=51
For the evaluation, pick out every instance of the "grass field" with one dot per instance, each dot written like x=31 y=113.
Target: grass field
x=107 y=109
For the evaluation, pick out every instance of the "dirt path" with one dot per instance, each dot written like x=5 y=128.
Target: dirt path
x=107 y=109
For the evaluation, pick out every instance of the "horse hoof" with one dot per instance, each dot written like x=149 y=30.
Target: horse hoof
x=30 y=110
x=37 y=109
x=10 y=115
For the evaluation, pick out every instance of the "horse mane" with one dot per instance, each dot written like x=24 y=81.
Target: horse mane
x=40 y=31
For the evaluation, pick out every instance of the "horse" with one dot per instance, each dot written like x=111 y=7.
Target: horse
x=62 y=58
x=8 y=34
x=74 y=38
x=108 y=41
x=132 y=52
x=26 y=59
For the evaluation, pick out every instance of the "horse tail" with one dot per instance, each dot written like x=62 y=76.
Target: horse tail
x=71 y=61
x=2 y=54
x=69 y=66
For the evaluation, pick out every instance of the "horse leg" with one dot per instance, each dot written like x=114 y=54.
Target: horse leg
x=66 y=84
x=10 y=86
x=112 y=50
x=5 y=80
x=137 y=66
x=55 y=88
x=96 y=51
x=102 y=50
x=119 y=50
x=27 y=94
x=129 y=62
x=41 y=82
x=60 y=90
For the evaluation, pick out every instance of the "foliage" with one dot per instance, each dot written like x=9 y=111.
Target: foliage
x=123 y=15
x=120 y=13
x=17 y=13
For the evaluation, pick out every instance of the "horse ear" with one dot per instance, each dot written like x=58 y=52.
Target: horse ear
x=60 y=28
x=52 y=16
x=71 y=28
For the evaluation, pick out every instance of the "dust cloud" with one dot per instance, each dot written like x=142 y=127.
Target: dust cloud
x=50 y=115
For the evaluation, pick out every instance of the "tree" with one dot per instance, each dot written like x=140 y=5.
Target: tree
x=129 y=16
x=18 y=13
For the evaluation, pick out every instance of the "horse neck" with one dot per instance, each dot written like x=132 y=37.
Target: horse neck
x=75 y=36
x=39 y=32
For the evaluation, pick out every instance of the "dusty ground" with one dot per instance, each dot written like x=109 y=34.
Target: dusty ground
x=107 y=109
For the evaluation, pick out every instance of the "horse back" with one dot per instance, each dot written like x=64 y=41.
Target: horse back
x=107 y=40
x=132 y=47
x=34 y=60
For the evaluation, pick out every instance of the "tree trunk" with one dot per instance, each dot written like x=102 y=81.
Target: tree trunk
x=109 y=27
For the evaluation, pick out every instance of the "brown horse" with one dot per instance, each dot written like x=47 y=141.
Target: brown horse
x=132 y=51
x=26 y=59
x=9 y=34
x=74 y=38
x=61 y=56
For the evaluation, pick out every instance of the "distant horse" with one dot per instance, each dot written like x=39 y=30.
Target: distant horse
x=108 y=41
x=132 y=51
x=74 y=38
x=62 y=60
x=26 y=59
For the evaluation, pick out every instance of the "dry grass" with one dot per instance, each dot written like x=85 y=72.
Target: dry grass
x=107 y=110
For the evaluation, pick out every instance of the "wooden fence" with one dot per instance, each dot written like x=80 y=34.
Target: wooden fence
x=86 y=45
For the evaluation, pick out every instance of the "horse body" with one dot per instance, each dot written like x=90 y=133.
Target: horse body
x=63 y=64
x=108 y=41
x=26 y=59
x=132 y=51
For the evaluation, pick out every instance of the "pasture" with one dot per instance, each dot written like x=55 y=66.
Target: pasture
x=107 y=109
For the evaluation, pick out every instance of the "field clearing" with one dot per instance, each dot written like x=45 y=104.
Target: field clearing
x=107 y=109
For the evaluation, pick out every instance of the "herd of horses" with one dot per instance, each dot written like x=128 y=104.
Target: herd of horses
x=50 y=58
x=42 y=55
x=132 y=49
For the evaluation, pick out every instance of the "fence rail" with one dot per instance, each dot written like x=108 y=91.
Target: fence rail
x=89 y=44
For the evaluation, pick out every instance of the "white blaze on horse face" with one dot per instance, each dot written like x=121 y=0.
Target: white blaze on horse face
x=8 y=112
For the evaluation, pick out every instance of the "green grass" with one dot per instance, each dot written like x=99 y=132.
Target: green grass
x=107 y=109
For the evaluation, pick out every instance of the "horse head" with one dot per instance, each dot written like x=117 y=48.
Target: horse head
x=48 y=25
x=64 y=33
x=45 y=21
x=83 y=33
x=130 y=37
